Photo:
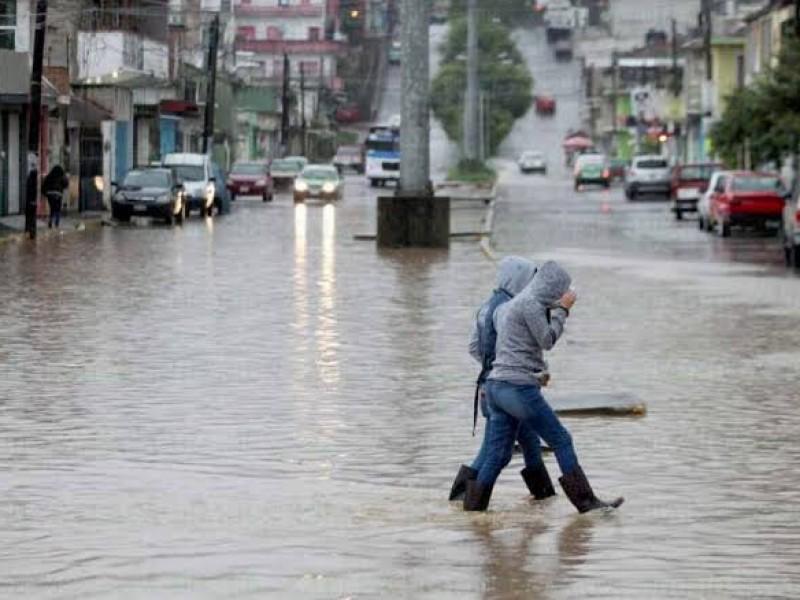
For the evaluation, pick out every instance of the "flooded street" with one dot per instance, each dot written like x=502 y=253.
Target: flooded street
x=261 y=406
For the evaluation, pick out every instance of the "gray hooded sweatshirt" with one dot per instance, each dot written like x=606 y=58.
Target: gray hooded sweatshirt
x=528 y=325
x=513 y=274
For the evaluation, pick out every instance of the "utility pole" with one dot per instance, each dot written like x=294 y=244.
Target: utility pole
x=303 y=107
x=707 y=32
x=415 y=123
x=285 y=106
x=32 y=184
x=208 y=126
x=676 y=84
x=614 y=92
x=471 y=138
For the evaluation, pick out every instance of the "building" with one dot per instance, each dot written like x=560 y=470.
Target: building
x=765 y=31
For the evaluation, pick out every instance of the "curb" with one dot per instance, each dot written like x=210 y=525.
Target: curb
x=47 y=234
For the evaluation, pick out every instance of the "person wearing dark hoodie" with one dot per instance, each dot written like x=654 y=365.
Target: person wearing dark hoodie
x=53 y=189
x=513 y=274
x=527 y=326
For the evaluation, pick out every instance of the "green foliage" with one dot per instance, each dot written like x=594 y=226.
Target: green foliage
x=764 y=117
x=502 y=75
x=472 y=172
x=509 y=12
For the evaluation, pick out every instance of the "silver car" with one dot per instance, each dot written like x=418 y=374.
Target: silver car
x=532 y=162
x=648 y=174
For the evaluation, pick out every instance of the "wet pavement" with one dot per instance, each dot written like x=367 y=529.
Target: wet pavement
x=260 y=406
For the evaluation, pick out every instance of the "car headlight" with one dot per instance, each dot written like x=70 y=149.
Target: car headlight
x=300 y=186
x=328 y=187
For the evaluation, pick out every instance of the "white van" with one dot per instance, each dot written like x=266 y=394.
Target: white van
x=196 y=174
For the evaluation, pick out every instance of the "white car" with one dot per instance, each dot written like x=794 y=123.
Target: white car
x=704 y=221
x=196 y=173
x=532 y=162
x=648 y=174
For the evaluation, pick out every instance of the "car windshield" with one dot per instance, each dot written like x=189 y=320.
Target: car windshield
x=652 y=163
x=532 y=155
x=285 y=165
x=348 y=152
x=592 y=161
x=697 y=172
x=146 y=179
x=757 y=184
x=320 y=173
x=247 y=169
x=189 y=172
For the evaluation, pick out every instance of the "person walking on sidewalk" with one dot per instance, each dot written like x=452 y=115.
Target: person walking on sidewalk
x=53 y=188
x=526 y=327
x=513 y=274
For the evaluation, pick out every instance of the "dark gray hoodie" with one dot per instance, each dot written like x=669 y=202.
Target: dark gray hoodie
x=528 y=325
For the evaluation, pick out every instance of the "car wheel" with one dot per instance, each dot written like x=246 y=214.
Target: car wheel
x=701 y=225
x=577 y=185
x=233 y=197
x=607 y=184
x=678 y=214
x=793 y=257
x=169 y=219
x=723 y=229
x=373 y=183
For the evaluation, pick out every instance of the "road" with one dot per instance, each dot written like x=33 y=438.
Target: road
x=260 y=406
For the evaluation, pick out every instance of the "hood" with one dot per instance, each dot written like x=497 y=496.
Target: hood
x=551 y=282
x=514 y=273
x=143 y=192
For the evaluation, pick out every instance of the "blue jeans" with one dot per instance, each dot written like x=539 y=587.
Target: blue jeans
x=510 y=405
x=526 y=436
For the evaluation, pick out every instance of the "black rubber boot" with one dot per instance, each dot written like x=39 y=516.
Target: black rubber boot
x=580 y=493
x=459 y=488
x=538 y=481
x=477 y=496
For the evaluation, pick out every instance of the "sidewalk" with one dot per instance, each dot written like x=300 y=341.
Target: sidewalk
x=12 y=228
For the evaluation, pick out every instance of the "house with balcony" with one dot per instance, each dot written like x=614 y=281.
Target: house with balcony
x=766 y=29
x=302 y=30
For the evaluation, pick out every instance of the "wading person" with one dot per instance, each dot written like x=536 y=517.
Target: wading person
x=513 y=274
x=53 y=189
x=527 y=326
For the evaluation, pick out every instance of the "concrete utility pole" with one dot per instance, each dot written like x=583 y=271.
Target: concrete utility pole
x=285 y=106
x=707 y=33
x=471 y=139
x=32 y=184
x=208 y=126
x=303 y=125
x=415 y=125
x=676 y=84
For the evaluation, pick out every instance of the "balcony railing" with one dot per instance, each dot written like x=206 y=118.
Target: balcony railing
x=272 y=12
x=290 y=46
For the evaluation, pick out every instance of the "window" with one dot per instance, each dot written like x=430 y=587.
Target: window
x=309 y=67
x=720 y=186
x=274 y=33
x=283 y=2
x=8 y=24
x=740 y=70
x=246 y=32
x=313 y=34
x=277 y=68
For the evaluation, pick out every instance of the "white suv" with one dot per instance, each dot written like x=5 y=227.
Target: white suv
x=197 y=175
x=648 y=174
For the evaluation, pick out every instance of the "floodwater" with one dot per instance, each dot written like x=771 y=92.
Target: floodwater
x=260 y=406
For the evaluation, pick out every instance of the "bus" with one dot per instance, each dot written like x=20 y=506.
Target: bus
x=383 y=154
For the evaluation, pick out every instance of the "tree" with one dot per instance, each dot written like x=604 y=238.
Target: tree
x=502 y=75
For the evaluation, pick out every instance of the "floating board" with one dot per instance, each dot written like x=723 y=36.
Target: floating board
x=597 y=403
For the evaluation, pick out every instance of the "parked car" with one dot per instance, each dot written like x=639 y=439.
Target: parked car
x=592 y=168
x=746 y=198
x=648 y=174
x=395 y=53
x=285 y=170
x=689 y=182
x=617 y=168
x=149 y=192
x=222 y=197
x=349 y=157
x=197 y=175
x=545 y=105
x=563 y=48
x=704 y=203
x=532 y=161
x=790 y=232
x=318 y=181
x=348 y=113
x=251 y=179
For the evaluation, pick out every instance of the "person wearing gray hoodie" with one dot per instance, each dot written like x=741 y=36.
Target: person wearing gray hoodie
x=513 y=274
x=527 y=326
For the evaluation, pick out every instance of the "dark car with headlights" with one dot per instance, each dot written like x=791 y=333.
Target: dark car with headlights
x=318 y=181
x=151 y=192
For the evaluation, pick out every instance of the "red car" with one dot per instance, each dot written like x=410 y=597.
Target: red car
x=545 y=105
x=689 y=182
x=251 y=179
x=746 y=198
x=349 y=113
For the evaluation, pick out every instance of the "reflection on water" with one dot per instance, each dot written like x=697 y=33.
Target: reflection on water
x=327 y=327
